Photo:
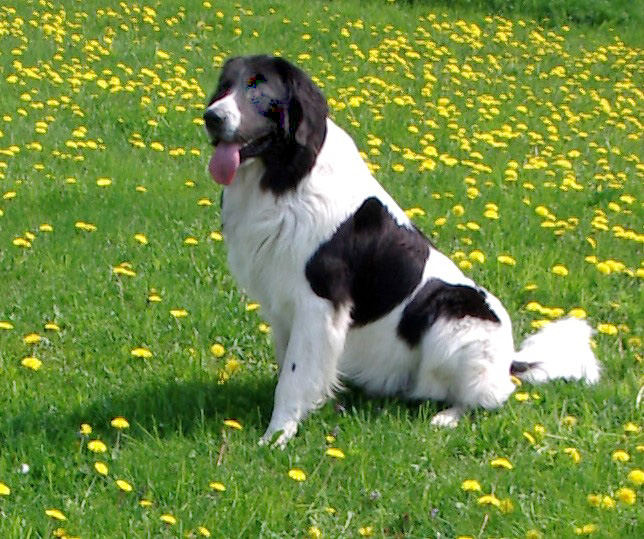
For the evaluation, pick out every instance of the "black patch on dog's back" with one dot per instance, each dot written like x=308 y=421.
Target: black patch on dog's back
x=371 y=262
x=439 y=299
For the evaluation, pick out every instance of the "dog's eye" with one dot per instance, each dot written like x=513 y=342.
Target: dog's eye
x=256 y=79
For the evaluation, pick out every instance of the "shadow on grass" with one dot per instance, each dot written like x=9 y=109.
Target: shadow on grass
x=161 y=407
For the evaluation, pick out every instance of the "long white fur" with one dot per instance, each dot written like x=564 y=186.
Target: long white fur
x=465 y=362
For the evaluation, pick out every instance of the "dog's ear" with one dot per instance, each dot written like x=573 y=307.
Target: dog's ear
x=306 y=109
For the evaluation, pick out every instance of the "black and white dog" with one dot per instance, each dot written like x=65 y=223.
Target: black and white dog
x=351 y=288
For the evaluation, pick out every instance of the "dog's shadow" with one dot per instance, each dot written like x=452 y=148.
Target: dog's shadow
x=179 y=407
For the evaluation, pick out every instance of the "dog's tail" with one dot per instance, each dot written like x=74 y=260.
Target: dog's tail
x=559 y=350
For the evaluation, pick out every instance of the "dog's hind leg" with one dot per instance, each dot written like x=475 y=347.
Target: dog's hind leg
x=309 y=371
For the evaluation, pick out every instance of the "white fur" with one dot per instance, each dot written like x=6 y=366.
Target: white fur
x=465 y=362
x=228 y=110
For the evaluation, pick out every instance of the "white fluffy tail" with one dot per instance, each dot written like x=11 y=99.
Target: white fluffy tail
x=559 y=350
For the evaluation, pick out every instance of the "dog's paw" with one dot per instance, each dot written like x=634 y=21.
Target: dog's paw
x=448 y=417
x=287 y=431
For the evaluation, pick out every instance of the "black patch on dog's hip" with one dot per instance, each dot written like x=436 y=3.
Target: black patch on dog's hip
x=371 y=262
x=439 y=299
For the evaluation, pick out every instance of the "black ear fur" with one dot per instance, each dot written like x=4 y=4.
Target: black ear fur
x=304 y=131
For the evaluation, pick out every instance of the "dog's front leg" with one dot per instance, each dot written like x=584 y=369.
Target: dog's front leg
x=309 y=370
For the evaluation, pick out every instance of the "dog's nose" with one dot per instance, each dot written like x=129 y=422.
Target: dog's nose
x=213 y=120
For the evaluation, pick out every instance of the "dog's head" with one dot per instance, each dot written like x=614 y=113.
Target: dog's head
x=267 y=108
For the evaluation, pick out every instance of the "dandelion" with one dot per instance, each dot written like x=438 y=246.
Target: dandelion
x=366 y=531
x=560 y=270
x=607 y=329
x=216 y=236
x=233 y=424
x=334 y=452
x=620 y=456
x=501 y=462
x=489 y=499
x=471 y=485
x=607 y=502
x=626 y=495
x=202 y=530
x=104 y=182
x=123 y=485
x=216 y=485
x=144 y=502
x=636 y=477
x=4 y=489
x=101 y=468
x=217 y=350
x=32 y=338
x=179 y=313
x=120 y=423
x=31 y=362
x=85 y=429
x=52 y=326
x=586 y=529
x=296 y=474
x=55 y=514
x=507 y=260
x=97 y=446
x=314 y=532
x=252 y=307
x=191 y=241
x=141 y=238
x=522 y=396
x=141 y=352
x=5 y=325
x=168 y=519
x=264 y=328
x=632 y=428
x=573 y=453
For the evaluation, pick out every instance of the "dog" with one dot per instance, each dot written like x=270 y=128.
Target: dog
x=352 y=289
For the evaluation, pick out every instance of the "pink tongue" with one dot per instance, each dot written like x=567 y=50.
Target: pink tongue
x=224 y=162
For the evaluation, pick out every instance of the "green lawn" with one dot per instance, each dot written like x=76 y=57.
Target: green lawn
x=516 y=147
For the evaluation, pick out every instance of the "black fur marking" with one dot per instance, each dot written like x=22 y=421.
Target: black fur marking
x=519 y=367
x=371 y=262
x=439 y=299
x=293 y=367
x=303 y=123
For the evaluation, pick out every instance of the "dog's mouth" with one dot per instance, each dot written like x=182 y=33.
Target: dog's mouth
x=229 y=155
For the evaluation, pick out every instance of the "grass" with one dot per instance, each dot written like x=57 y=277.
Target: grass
x=498 y=134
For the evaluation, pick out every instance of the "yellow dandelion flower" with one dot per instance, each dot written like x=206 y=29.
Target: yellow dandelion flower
x=533 y=534
x=607 y=502
x=4 y=489
x=144 y=502
x=216 y=236
x=85 y=429
x=560 y=269
x=216 y=485
x=141 y=238
x=141 y=352
x=489 y=499
x=458 y=210
x=104 y=182
x=366 y=531
x=55 y=514
x=636 y=477
x=334 y=452
x=314 y=532
x=594 y=499
x=32 y=338
x=620 y=456
x=252 y=307
x=5 y=325
x=233 y=424
x=574 y=454
x=123 y=485
x=179 y=313
x=607 y=329
x=529 y=437
x=471 y=485
x=506 y=259
x=506 y=505
x=204 y=202
x=626 y=495
x=101 y=468
x=264 y=328
x=586 y=529
x=168 y=519
x=120 y=423
x=217 y=350
x=632 y=428
x=202 y=530
x=45 y=227
x=52 y=326
x=296 y=474
x=97 y=446
x=501 y=462
x=157 y=146
x=522 y=396
x=31 y=362
x=191 y=241
x=578 y=313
